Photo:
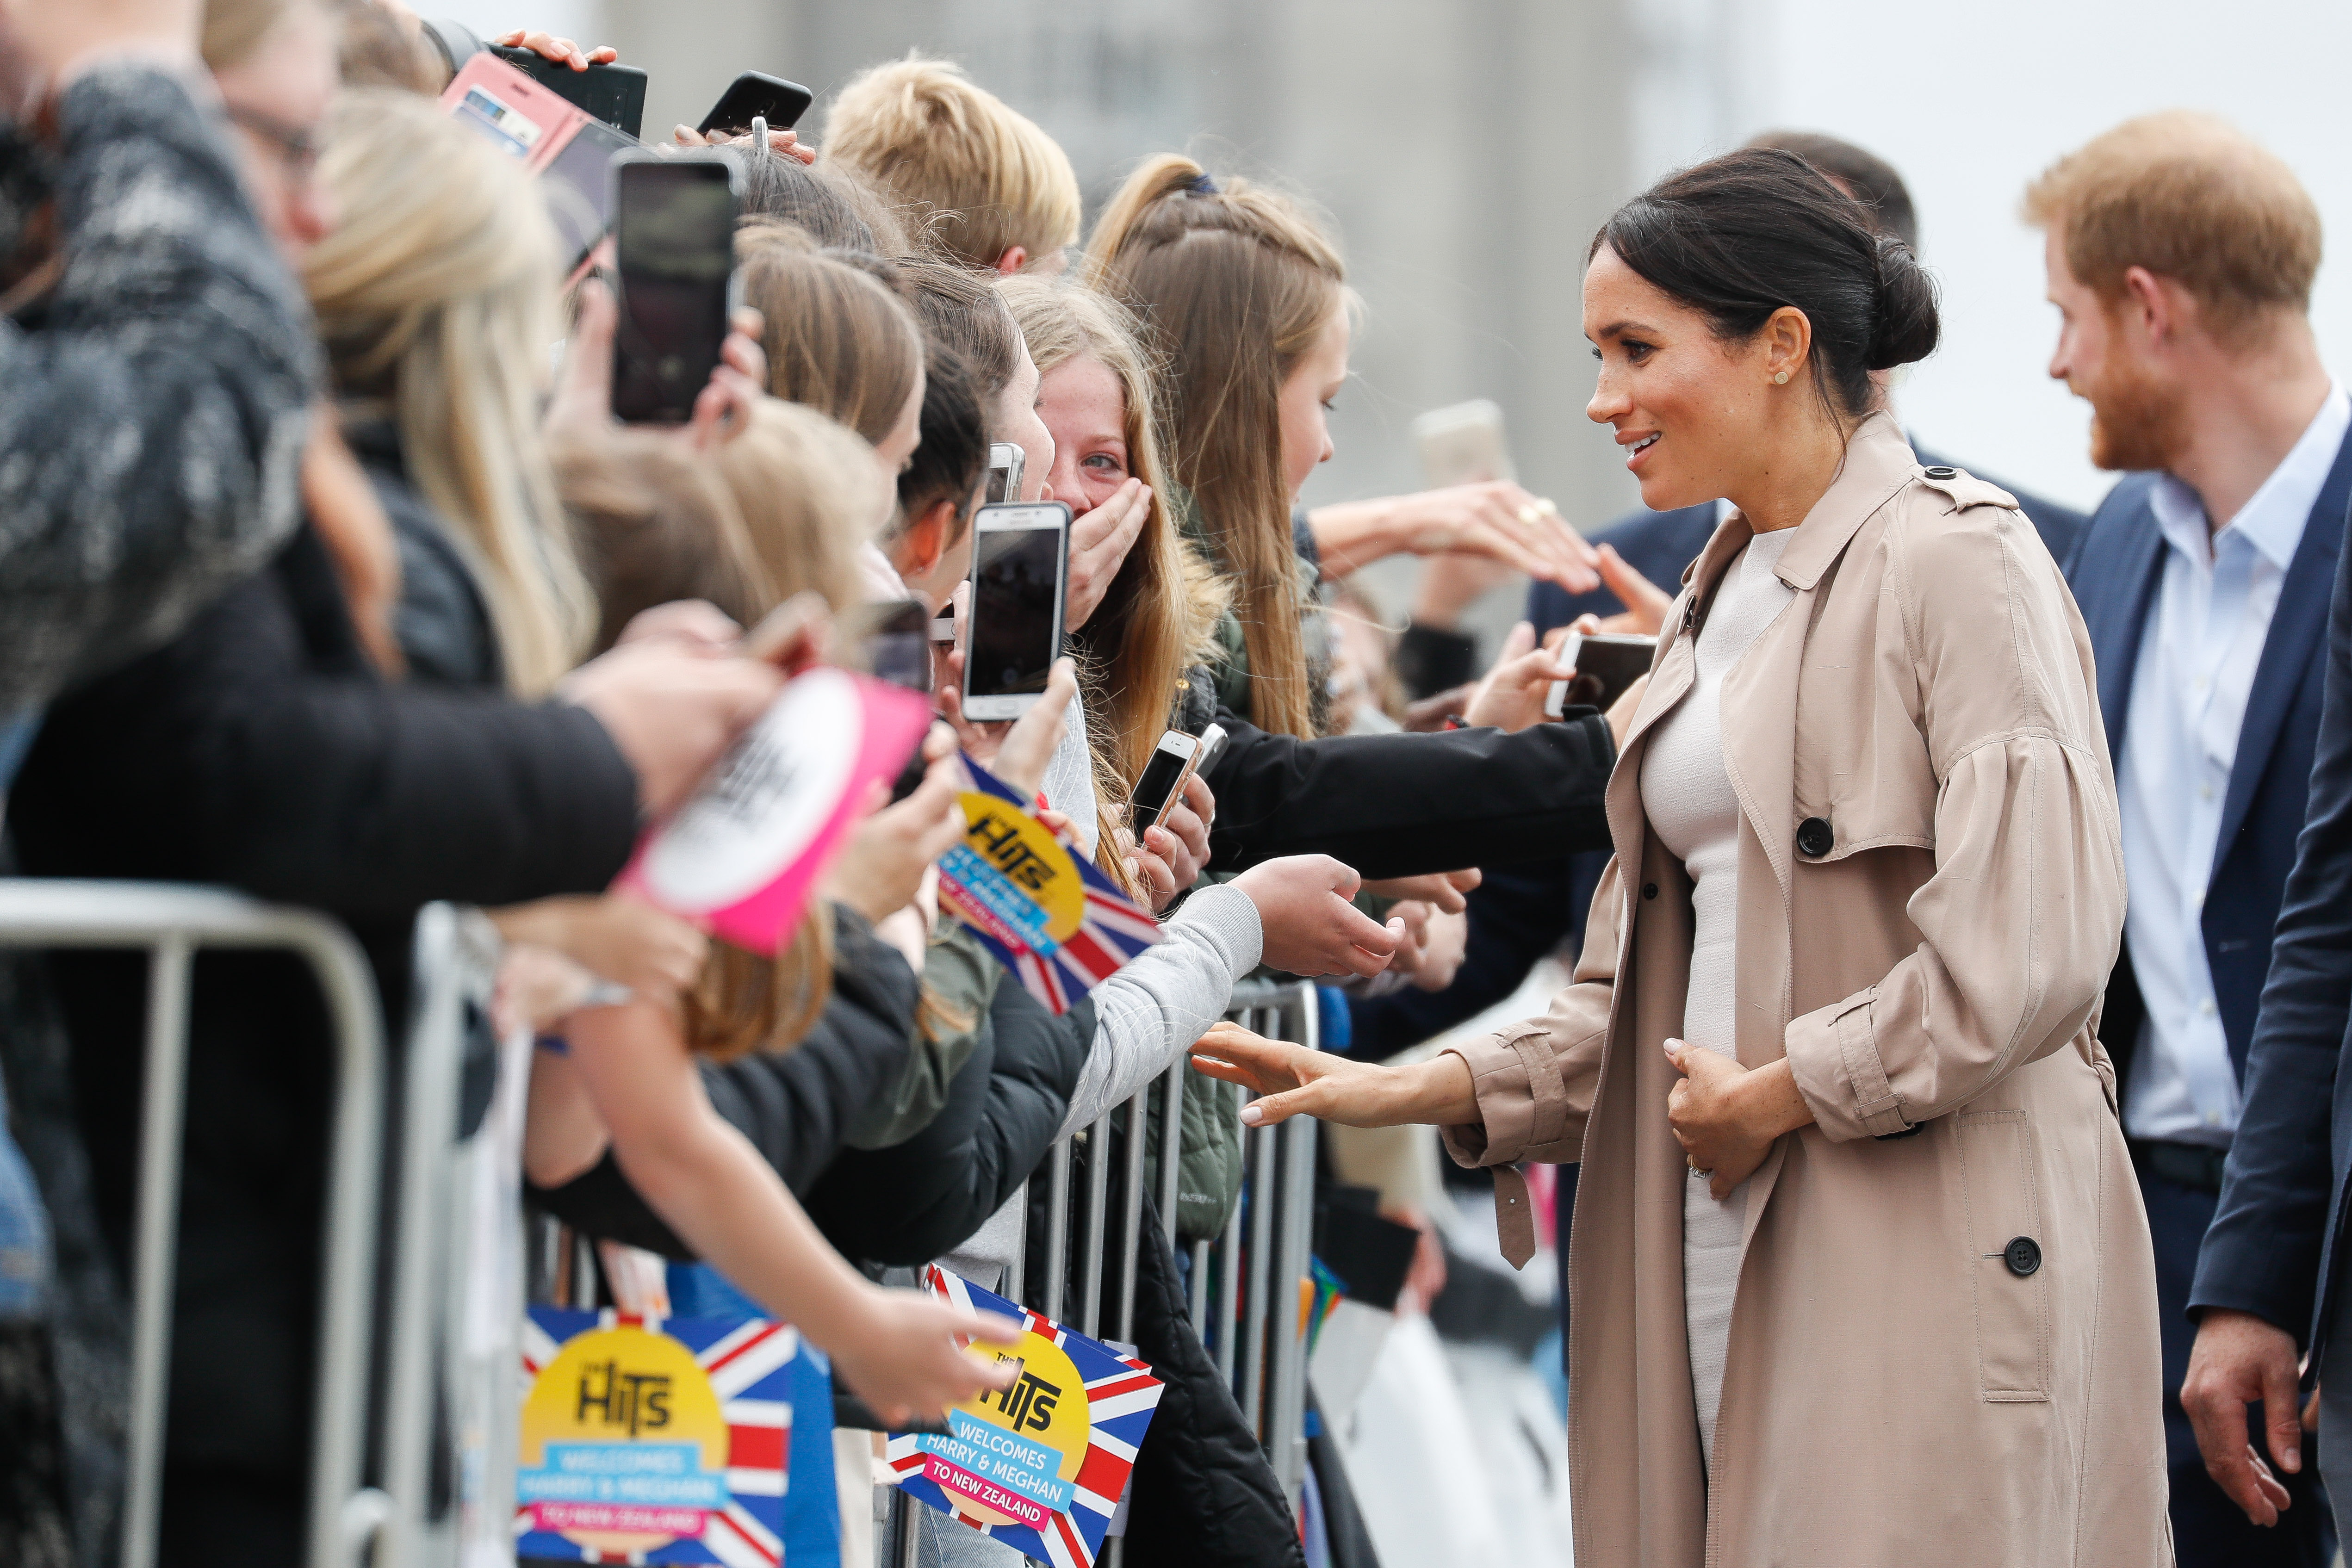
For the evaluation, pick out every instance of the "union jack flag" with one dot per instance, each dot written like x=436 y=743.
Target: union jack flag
x=1121 y=1394
x=1112 y=930
x=750 y=1365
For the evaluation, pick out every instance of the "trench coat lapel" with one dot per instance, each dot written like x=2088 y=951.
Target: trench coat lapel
x=1760 y=732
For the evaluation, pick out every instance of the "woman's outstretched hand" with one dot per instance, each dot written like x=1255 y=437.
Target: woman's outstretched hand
x=1727 y=1117
x=1292 y=1080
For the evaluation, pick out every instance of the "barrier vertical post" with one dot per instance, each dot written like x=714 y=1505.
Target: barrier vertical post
x=1171 y=1140
x=1057 y=1231
x=1286 y=1443
x=1131 y=1214
x=160 y=1135
x=1262 y=1201
x=1090 y=1275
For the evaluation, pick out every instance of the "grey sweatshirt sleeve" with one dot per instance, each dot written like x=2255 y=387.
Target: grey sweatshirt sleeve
x=153 y=412
x=1165 y=999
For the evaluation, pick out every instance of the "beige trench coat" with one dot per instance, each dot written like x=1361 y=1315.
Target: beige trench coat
x=1894 y=1392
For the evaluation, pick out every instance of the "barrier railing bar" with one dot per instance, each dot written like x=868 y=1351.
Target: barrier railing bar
x=1229 y=1264
x=1198 y=1303
x=1292 y=1250
x=1260 y=1247
x=1130 y=1212
x=1057 y=1231
x=430 y=1071
x=1171 y=1140
x=1098 y=1204
x=125 y=915
x=162 y=1120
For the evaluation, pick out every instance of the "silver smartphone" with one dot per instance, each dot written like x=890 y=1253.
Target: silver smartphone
x=1005 y=461
x=1020 y=578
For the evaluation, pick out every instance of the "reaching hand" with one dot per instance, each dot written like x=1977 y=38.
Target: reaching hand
x=785 y=142
x=2239 y=1358
x=905 y=1354
x=693 y=623
x=1292 y=1080
x=881 y=866
x=548 y=46
x=1099 y=545
x=1309 y=927
x=1444 y=943
x=1441 y=890
x=1497 y=521
x=45 y=44
x=1513 y=693
x=1645 y=602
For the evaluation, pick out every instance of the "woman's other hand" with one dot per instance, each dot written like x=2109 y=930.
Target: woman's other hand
x=1727 y=1117
x=903 y=1353
x=1292 y=1080
x=1512 y=695
x=1308 y=925
x=1015 y=752
x=1099 y=545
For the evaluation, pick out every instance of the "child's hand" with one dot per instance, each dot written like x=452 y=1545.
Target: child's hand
x=905 y=1355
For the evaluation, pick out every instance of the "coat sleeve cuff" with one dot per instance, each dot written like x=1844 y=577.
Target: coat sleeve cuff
x=1833 y=1053
x=1522 y=1103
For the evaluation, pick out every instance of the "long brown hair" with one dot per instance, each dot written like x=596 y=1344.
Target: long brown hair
x=1162 y=608
x=1232 y=283
x=838 y=339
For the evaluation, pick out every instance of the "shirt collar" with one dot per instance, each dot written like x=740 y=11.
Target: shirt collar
x=2273 y=518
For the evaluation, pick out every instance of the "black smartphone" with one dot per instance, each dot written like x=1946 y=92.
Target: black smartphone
x=755 y=93
x=614 y=94
x=674 y=245
x=1020 y=574
x=579 y=187
x=1605 y=663
x=897 y=644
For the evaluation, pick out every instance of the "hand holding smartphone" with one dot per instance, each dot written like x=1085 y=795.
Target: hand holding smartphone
x=1020 y=576
x=1174 y=761
x=674 y=245
x=756 y=95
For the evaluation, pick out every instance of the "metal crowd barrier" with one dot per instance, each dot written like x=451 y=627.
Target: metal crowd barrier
x=1244 y=1286
x=171 y=923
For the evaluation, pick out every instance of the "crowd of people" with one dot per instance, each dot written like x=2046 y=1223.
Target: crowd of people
x=1947 y=1090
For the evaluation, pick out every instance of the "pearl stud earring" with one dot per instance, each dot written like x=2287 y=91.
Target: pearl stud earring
x=1781 y=379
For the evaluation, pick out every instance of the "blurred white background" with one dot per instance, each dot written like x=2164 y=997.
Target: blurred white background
x=1466 y=150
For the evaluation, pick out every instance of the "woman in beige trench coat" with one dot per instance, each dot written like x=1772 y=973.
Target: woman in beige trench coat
x=1859 y=1275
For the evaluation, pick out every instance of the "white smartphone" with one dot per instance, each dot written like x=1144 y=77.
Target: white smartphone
x=1020 y=576
x=1462 y=445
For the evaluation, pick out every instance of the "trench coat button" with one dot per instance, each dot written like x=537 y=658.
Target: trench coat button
x=1649 y=890
x=1940 y=471
x=2024 y=1255
x=1814 y=838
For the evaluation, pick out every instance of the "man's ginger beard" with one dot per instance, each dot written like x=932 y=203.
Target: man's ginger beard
x=2136 y=421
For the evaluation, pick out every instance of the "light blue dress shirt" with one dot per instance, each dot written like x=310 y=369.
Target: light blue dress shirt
x=2197 y=655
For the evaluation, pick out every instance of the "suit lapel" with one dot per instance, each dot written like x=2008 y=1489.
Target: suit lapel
x=2298 y=630
x=2116 y=616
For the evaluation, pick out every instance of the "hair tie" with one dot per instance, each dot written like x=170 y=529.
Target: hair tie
x=1202 y=185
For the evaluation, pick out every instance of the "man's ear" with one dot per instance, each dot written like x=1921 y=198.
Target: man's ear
x=1015 y=258
x=2160 y=308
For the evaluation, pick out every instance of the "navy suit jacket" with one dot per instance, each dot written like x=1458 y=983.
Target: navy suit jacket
x=2270 y=1248
x=2115 y=572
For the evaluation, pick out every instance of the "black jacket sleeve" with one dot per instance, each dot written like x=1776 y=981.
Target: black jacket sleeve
x=1401 y=805
x=918 y=1199
x=2265 y=1250
x=793 y=1105
x=257 y=750
x=152 y=418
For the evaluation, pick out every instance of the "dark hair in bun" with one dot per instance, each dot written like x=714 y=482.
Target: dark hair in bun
x=1739 y=236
